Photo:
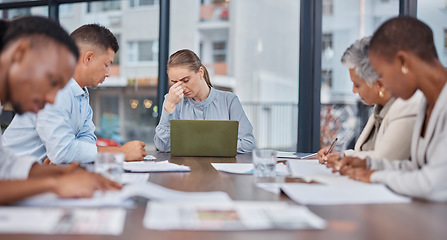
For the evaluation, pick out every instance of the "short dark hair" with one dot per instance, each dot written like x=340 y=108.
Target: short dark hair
x=35 y=27
x=404 y=33
x=97 y=35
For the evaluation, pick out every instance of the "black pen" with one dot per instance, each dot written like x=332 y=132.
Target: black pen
x=330 y=149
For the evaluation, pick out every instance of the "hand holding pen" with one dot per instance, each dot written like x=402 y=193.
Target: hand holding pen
x=326 y=153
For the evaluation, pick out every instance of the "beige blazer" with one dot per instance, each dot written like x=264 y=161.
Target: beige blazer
x=393 y=139
x=425 y=175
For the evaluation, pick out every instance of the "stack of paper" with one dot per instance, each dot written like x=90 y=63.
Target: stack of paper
x=162 y=166
x=62 y=221
x=229 y=216
x=246 y=168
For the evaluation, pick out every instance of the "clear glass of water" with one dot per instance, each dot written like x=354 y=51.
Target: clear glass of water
x=110 y=165
x=264 y=165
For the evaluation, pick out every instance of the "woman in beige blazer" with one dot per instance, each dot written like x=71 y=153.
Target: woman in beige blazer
x=387 y=133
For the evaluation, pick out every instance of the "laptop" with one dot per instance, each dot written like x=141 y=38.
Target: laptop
x=207 y=138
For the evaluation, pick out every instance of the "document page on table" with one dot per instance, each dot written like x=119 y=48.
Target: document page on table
x=30 y=220
x=246 y=168
x=154 y=166
x=122 y=198
x=322 y=194
x=229 y=216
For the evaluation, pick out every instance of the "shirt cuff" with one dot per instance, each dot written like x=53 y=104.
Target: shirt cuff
x=376 y=164
x=368 y=162
x=20 y=170
x=88 y=152
x=378 y=177
x=166 y=118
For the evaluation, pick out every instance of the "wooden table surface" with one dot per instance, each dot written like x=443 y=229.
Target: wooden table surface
x=417 y=220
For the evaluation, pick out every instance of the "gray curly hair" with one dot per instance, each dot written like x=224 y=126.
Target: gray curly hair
x=356 y=57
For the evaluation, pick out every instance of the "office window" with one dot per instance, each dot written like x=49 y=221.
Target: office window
x=21 y=12
x=326 y=40
x=110 y=6
x=65 y=10
x=142 y=51
x=105 y=6
x=116 y=60
x=141 y=3
x=255 y=55
x=215 y=10
x=15 y=13
x=445 y=39
x=345 y=107
x=433 y=13
x=328 y=7
x=326 y=75
x=219 y=51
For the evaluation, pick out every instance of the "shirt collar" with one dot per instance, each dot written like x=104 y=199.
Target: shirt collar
x=205 y=102
x=381 y=111
x=76 y=89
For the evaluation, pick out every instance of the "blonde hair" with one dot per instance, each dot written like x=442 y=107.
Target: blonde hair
x=187 y=58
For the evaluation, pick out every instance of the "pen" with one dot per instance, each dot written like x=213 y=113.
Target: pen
x=330 y=149
x=332 y=146
x=309 y=156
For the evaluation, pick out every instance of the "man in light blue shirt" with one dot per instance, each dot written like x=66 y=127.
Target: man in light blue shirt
x=66 y=141
x=64 y=132
x=37 y=58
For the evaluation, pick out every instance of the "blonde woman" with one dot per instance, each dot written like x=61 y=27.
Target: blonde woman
x=192 y=96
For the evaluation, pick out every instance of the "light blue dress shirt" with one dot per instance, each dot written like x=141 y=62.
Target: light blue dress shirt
x=220 y=105
x=64 y=131
x=12 y=166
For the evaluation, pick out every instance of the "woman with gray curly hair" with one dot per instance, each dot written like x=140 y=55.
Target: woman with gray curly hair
x=387 y=134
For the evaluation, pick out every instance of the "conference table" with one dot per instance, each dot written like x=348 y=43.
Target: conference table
x=416 y=220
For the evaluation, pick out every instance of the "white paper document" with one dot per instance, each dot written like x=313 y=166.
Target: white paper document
x=154 y=166
x=229 y=216
x=246 y=168
x=123 y=197
x=322 y=194
x=307 y=168
x=296 y=155
x=312 y=170
x=128 y=178
x=108 y=221
x=149 y=158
